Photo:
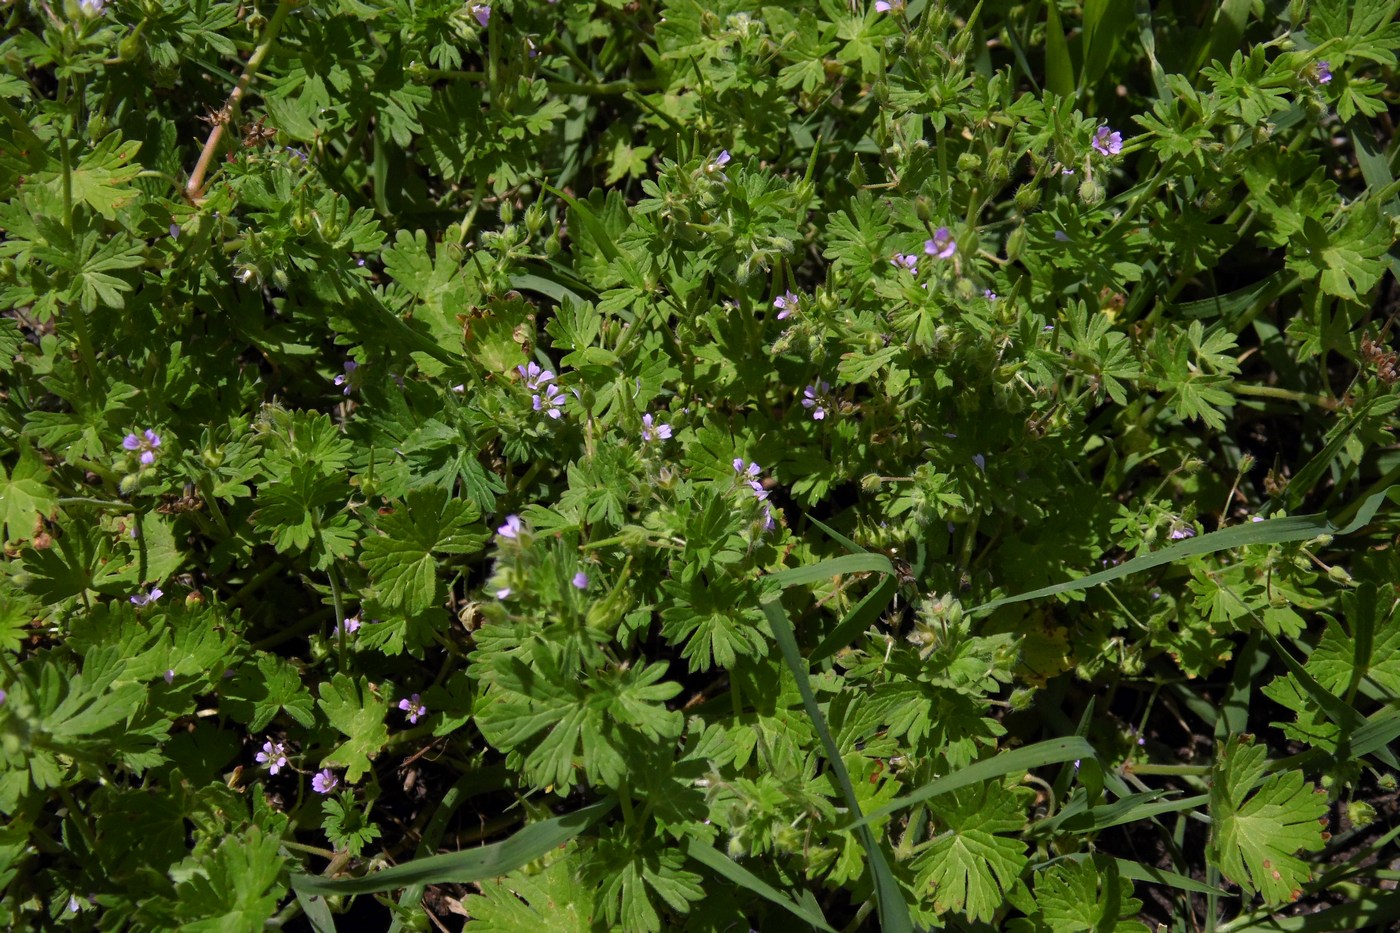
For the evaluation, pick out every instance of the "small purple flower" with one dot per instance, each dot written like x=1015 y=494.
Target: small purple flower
x=551 y=403
x=274 y=755
x=92 y=7
x=4 y=695
x=786 y=303
x=1323 y=70
x=174 y=231
x=347 y=378
x=1185 y=531
x=988 y=294
x=905 y=261
x=749 y=476
x=980 y=461
x=482 y=12
x=143 y=598
x=148 y=443
x=1107 y=142
x=715 y=165
x=769 y=523
x=325 y=781
x=414 y=707
x=503 y=592
x=534 y=376
x=511 y=529
x=351 y=625
x=652 y=431
x=169 y=676
x=889 y=6
x=942 y=245
x=814 y=399
x=580 y=581
x=1061 y=236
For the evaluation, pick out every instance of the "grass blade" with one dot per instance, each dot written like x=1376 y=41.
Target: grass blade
x=723 y=865
x=1273 y=531
x=889 y=899
x=1038 y=755
x=1369 y=912
x=832 y=567
x=858 y=620
x=469 y=865
x=1059 y=70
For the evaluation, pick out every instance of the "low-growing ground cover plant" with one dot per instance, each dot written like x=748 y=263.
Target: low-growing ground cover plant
x=716 y=466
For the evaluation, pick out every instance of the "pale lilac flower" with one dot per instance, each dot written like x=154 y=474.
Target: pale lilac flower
x=512 y=527
x=4 y=695
x=169 y=676
x=414 y=707
x=814 y=399
x=905 y=261
x=749 y=476
x=503 y=592
x=346 y=379
x=325 y=781
x=482 y=12
x=786 y=303
x=534 y=376
x=351 y=625
x=889 y=6
x=1185 y=531
x=92 y=7
x=769 y=523
x=580 y=581
x=274 y=755
x=148 y=443
x=143 y=598
x=980 y=461
x=551 y=403
x=942 y=245
x=988 y=294
x=174 y=231
x=652 y=431
x=1107 y=142
x=1323 y=70
x=1256 y=518
x=717 y=163
x=1061 y=236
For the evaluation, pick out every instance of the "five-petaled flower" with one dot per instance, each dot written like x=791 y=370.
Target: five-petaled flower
x=143 y=598
x=1183 y=531
x=413 y=706
x=351 y=625
x=346 y=379
x=92 y=7
x=653 y=431
x=482 y=12
x=1107 y=142
x=274 y=755
x=889 y=6
x=906 y=261
x=512 y=527
x=716 y=165
x=325 y=781
x=814 y=399
x=148 y=442
x=534 y=376
x=551 y=402
x=749 y=475
x=786 y=303
x=942 y=245
x=580 y=581
x=1323 y=70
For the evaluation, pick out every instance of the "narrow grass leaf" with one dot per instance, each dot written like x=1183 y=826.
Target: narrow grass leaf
x=1059 y=70
x=721 y=864
x=1272 y=531
x=490 y=861
x=832 y=567
x=1368 y=912
x=889 y=899
x=857 y=620
x=1052 y=751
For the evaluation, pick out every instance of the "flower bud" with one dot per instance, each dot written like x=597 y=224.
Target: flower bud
x=507 y=212
x=1091 y=192
x=923 y=209
x=1361 y=814
x=1027 y=198
x=534 y=219
x=870 y=482
x=969 y=164
x=1339 y=575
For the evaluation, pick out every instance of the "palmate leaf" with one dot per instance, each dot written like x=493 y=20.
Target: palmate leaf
x=401 y=560
x=969 y=868
x=1255 y=832
x=1369 y=645
x=551 y=901
x=357 y=712
x=24 y=497
x=1076 y=896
